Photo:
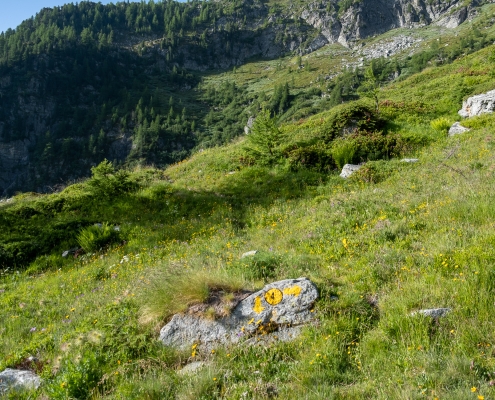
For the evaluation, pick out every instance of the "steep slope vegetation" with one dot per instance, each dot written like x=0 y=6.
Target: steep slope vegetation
x=396 y=238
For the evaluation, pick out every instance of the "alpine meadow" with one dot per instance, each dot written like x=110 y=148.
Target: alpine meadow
x=170 y=161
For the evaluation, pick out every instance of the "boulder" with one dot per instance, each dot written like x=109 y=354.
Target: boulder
x=348 y=170
x=433 y=312
x=14 y=379
x=457 y=128
x=276 y=312
x=410 y=160
x=477 y=105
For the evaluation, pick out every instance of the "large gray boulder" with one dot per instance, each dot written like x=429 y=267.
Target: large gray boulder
x=15 y=380
x=274 y=313
x=477 y=105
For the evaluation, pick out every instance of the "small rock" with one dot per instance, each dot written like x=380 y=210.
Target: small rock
x=457 y=128
x=348 y=170
x=433 y=312
x=249 y=253
x=409 y=160
x=192 y=368
x=13 y=379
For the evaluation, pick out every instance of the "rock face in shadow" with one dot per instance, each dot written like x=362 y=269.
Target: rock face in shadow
x=274 y=313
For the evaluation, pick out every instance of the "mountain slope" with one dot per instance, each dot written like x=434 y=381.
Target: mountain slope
x=81 y=83
x=394 y=239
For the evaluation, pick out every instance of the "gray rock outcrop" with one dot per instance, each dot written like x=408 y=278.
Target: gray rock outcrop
x=457 y=129
x=274 y=313
x=477 y=105
x=348 y=170
x=16 y=380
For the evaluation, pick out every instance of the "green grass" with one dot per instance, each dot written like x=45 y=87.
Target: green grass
x=379 y=246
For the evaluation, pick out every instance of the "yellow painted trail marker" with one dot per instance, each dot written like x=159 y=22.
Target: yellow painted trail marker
x=258 y=308
x=294 y=290
x=273 y=296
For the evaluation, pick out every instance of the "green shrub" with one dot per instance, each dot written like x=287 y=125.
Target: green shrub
x=95 y=237
x=78 y=378
x=441 y=124
x=265 y=138
x=350 y=118
x=377 y=145
x=373 y=172
x=315 y=157
x=105 y=181
x=45 y=263
x=343 y=151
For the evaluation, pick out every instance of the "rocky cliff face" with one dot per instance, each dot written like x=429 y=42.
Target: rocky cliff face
x=371 y=17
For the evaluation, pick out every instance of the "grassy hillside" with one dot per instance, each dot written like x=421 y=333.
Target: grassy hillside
x=393 y=239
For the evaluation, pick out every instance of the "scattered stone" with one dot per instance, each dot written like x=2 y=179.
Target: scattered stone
x=192 y=368
x=274 y=313
x=410 y=160
x=457 y=128
x=13 y=379
x=70 y=251
x=433 y=312
x=389 y=47
x=249 y=253
x=477 y=105
x=348 y=170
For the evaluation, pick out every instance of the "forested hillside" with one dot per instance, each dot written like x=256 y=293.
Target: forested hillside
x=131 y=82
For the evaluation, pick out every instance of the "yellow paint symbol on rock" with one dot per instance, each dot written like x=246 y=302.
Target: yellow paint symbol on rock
x=258 y=308
x=294 y=290
x=273 y=296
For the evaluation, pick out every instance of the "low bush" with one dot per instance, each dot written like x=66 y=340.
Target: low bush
x=78 y=379
x=105 y=181
x=316 y=157
x=350 y=118
x=441 y=124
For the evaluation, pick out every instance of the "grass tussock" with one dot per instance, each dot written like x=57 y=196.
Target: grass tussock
x=170 y=291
